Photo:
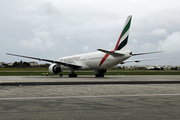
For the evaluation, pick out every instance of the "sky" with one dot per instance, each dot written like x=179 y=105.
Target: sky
x=56 y=28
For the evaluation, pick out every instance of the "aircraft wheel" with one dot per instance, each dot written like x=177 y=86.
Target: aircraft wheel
x=61 y=75
x=72 y=75
x=99 y=75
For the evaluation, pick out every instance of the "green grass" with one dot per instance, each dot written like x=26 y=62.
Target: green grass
x=144 y=73
x=24 y=69
x=39 y=71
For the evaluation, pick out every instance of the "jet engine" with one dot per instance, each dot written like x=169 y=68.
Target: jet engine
x=54 y=69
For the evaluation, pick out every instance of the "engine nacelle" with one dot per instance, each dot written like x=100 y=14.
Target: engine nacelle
x=100 y=71
x=54 y=69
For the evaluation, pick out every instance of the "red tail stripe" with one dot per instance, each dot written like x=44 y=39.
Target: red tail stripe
x=104 y=58
x=118 y=42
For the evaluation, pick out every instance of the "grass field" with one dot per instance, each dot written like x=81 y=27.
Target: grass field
x=39 y=71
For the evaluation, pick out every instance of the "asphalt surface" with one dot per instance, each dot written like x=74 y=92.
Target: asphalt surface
x=113 y=97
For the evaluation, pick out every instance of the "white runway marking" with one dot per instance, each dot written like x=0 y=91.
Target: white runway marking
x=101 y=96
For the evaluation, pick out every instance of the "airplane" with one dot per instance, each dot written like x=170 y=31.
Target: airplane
x=98 y=61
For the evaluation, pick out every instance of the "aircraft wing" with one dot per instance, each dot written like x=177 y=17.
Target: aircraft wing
x=139 y=60
x=47 y=60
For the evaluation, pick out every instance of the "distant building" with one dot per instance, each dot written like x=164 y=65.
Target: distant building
x=1 y=63
x=33 y=63
x=10 y=64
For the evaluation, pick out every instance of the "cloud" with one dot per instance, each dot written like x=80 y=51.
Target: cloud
x=86 y=48
x=171 y=43
x=134 y=41
x=158 y=31
x=148 y=47
x=48 y=9
x=41 y=41
x=112 y=44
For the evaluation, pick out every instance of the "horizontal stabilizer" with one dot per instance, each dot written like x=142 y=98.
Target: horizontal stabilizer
x=139 y=60
x=146 y=53
x=113 y=53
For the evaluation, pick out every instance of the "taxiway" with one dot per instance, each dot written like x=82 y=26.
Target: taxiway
x=151 y=101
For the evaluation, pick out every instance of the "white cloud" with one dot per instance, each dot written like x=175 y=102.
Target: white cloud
x=68 y=38
x=158 y=31
x=134 y=41
x=171 y=43
x=86 y=48
x=148 y=47
x=48 y=9
x=112 y=44
x=41 y=41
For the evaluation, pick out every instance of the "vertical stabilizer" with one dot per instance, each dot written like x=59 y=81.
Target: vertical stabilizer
x=123 y=39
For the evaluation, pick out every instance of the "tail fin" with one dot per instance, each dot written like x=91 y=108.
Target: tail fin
x=123 y=39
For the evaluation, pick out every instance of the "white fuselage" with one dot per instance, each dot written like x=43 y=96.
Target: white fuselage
x=91 y=61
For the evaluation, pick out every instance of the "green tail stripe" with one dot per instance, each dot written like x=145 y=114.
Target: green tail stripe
x=126 y=28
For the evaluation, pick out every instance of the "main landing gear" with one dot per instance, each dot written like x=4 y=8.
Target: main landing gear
x=60 y=75
x=100 y=72
x=99 y=75
x=72 y=73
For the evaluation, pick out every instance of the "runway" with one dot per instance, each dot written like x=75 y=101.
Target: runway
x=152 y=101
x=86 y=80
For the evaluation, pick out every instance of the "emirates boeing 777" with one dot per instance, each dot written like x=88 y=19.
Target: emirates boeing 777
x=98 y=61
